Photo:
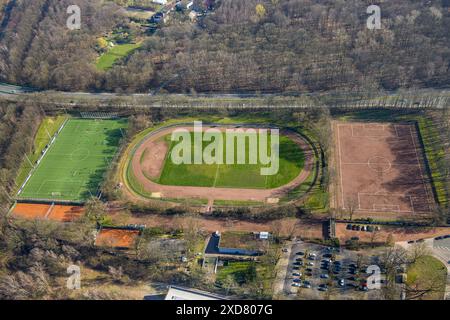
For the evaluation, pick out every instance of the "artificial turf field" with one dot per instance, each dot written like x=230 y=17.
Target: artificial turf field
x=75 y=164
x=237 y=175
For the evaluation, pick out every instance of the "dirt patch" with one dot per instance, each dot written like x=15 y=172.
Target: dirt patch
x=285 y=227
x=381 y=171
x=152 y=158
x=117 y=238
x=139 y=170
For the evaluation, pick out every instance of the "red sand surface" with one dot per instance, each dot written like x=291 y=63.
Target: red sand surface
x=65 y=213
x=59 y=213
x=116 y=238
x=31 y=210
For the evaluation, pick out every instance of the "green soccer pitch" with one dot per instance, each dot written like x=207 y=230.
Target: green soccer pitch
x=73 y=167
x=237 y=175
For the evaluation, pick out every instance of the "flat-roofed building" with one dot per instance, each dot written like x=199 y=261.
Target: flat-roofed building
x=180 y=293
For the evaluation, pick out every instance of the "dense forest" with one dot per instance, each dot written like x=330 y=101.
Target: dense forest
x=245 y=46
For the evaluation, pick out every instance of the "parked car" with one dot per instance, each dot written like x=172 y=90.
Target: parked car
x=324 y=276
x=306 y=284
x=296 y=284
x=300 y=253
x=323 y=287
x=297 y=274
x=349 y=227
x=341 y=282
x=410 y=241
x=310 y=264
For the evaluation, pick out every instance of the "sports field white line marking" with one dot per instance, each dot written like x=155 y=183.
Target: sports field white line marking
x=393 y=164
x=421 y=171
x=386 y=207
x=384 y=194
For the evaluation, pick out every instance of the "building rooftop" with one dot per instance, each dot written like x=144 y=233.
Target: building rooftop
x=180 y=293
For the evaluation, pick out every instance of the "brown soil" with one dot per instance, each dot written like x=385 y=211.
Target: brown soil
x=381 y=171
x=116 y=238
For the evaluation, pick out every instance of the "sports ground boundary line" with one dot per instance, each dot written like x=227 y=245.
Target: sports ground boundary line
x=412 y=211
x=52 y=141
x=49 y=210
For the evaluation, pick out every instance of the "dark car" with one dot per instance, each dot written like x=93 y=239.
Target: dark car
x=411 y=241
x=323 y=287
x=300 y=253
x=349 y=227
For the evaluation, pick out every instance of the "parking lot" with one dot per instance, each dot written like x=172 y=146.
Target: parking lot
x=318 y=272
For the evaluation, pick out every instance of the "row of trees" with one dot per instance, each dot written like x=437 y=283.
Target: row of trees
x=253 y=45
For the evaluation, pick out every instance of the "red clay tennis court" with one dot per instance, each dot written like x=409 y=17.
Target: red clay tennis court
x=381 y=170
x=60 y=213
x=117 y=238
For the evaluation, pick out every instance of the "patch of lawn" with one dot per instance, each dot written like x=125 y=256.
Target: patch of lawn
x=291 y=162
x=426 y=279
x=119 y=51
x=47 y=129
x=240 y=271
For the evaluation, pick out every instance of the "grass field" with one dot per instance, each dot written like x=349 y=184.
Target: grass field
x=119 y=51
x=425 y=274
x=236 y=175
x=74 y=165
x=46 y=130
x=239 y=271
